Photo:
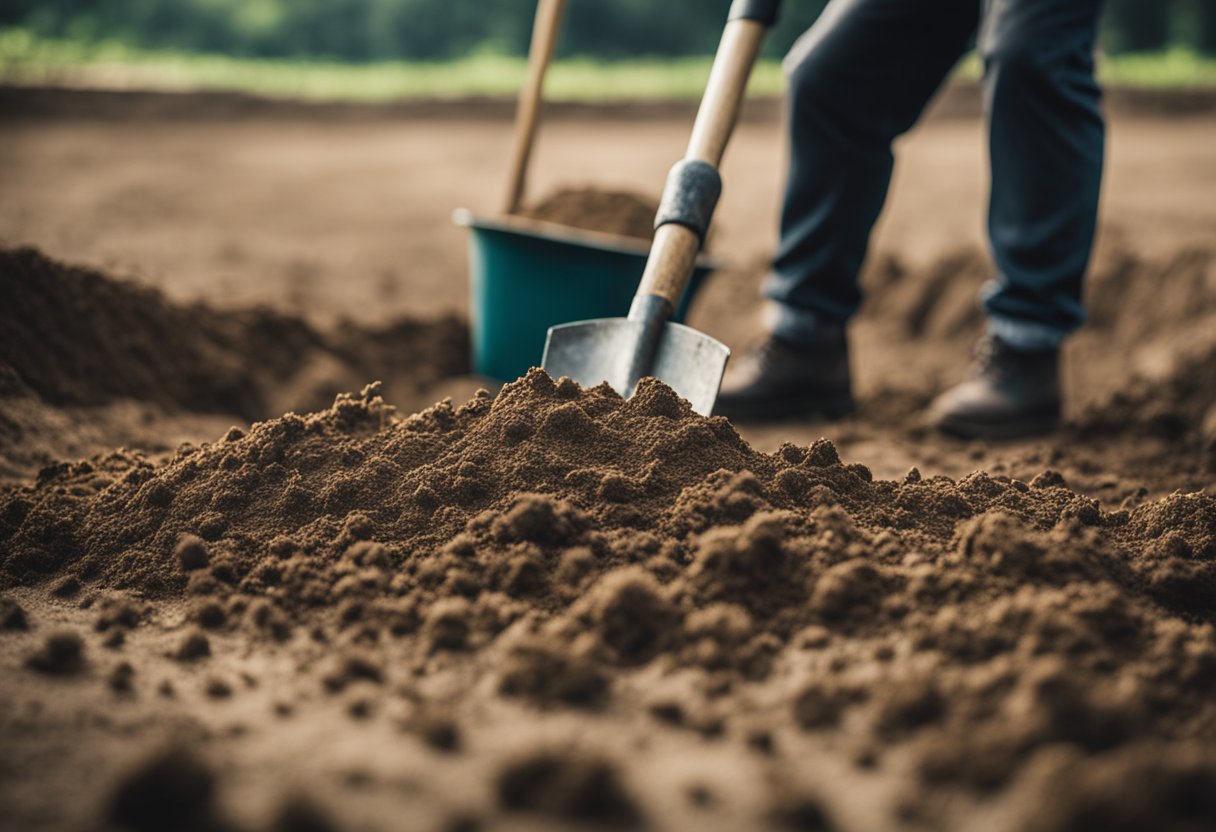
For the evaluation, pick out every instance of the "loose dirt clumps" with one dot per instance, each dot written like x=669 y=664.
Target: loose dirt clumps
x=12 y=615
x=956 y=635
x=547 y=672
x=170 y=789
x=567 y=785
x=61 y=653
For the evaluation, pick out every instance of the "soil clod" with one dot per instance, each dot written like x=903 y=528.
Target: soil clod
x=567 y=785
x=61 y=653
x=172 y=789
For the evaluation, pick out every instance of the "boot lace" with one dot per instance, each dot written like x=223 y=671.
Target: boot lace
x=989 y=359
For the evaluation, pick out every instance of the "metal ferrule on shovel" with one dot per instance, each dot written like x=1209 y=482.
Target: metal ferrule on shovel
x=622 y=351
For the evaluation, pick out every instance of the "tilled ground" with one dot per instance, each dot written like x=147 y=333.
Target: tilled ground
x=88 y=363
x=552 y=606
x=584 y=609
x=547 y=607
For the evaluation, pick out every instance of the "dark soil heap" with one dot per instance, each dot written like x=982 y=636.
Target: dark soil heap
x=74 y=336
x=611 y=212
x=981 y=634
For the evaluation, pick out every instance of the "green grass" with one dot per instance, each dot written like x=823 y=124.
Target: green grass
x=27 y=59
x=1177 y=68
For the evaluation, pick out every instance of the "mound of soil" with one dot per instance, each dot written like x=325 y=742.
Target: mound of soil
x=630 y=559
x=612 y=212
x=89 y=362
x=1137 y=381
x=1177 y=402
x=74 y=336
x=172 y=789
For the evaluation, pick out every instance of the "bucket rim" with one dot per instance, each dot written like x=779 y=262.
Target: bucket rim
x=551 y=231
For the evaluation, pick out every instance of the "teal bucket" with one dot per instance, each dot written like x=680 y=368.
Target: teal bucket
x=526 y=276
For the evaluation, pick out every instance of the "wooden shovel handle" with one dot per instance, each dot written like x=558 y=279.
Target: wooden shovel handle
x=675 y=246
x=545 y=30
x=719 y=110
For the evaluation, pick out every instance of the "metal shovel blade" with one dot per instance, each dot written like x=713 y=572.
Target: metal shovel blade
x=592 y=352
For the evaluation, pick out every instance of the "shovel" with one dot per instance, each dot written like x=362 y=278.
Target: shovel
x=622 y=351
x=520 y=268
x=545 y=30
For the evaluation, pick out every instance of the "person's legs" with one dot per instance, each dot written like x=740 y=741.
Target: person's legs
x=860 y=77
x=1046 y=144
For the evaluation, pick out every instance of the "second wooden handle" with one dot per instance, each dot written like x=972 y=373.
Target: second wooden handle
x=545 y=30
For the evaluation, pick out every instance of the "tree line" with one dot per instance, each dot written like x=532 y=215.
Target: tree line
x=368 y=30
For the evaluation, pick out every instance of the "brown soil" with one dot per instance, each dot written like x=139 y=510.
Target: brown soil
x=75 y=338
x=614 y=212
x=549 y=608
x=573 y=549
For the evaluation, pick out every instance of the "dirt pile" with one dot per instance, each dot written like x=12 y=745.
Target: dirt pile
x=76 y=339
x=88 y=363
x=612 y=212
x=1143 y=361
x=74 y=336
x=1176 y=404
x=1140 y=398
x=614 y=557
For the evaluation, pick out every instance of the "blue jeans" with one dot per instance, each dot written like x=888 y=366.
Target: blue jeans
x=862 y=75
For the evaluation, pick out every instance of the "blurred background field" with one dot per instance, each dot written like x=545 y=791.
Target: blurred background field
x=380 y=50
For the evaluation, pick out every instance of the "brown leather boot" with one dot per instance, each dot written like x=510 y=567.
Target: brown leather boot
x=778 y=379
x=1008 y=394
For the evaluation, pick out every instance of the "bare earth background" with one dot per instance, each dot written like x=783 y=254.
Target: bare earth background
x=348 y=213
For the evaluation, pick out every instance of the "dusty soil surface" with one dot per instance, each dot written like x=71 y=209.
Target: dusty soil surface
x=545 y=607
x=348 y=216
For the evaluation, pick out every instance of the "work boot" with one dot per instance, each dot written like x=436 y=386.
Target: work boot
x=1008 y=393
x=778 y=379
